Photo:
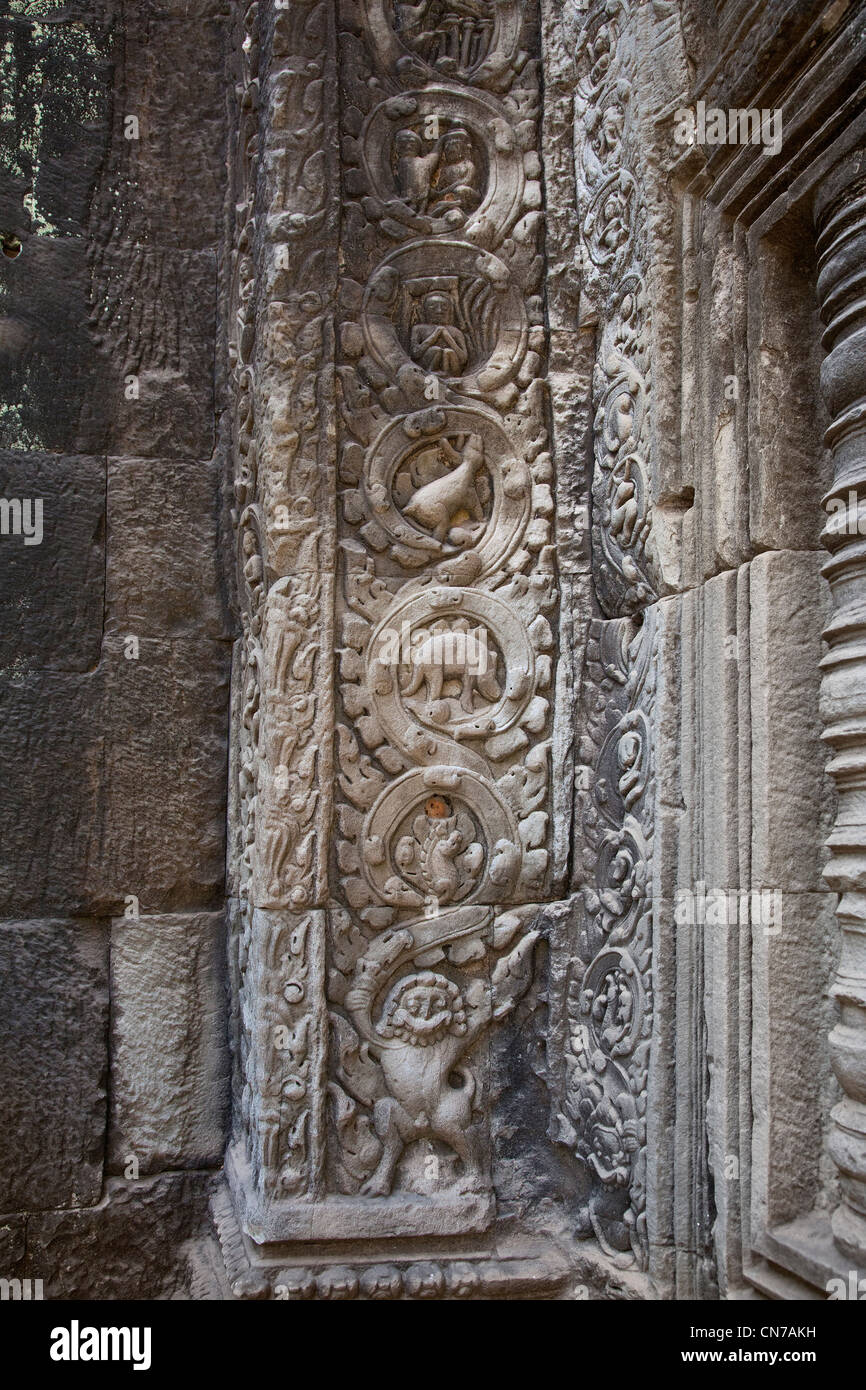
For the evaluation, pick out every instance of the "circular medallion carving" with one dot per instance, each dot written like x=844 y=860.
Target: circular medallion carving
x=441 y=160
x=441 y=315
x=459 y=660
x=612 y=1000
x=608 y=227
x=473 y=40
x=446 y=480
x=440 y=835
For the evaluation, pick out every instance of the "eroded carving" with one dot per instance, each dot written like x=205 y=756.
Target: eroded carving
x=603 y=1115
x=613 y=258
x=366 y=995
x=444 y=481
x=438 y=160
x=472 y=40
x=447 y=311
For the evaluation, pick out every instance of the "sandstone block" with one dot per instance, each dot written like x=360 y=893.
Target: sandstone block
x=54 y=1063
x=169 y=1069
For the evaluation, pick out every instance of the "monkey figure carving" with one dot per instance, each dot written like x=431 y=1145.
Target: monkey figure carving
x=426 y=1027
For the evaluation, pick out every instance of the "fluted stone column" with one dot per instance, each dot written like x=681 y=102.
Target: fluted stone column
x=841 y=222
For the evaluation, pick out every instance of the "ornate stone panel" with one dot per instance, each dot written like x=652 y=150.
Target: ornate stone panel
x=446 y=593
x=841 y=246
x=397 y=581
x=613 y=257
x=604 y=994
x=281 y=331
x=608 y=988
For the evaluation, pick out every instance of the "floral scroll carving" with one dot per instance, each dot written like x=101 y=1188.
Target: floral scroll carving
x=603 y=1104
x=280 y=799
x=613 y=254
x=399 y=595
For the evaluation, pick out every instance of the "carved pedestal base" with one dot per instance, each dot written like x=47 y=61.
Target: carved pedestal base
x=802 y=1260
x=353 y=1218
x=329 y=1263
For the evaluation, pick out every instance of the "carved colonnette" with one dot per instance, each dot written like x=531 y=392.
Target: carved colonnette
x=609 y=151
x=841 y=246
x=392 y=821
x=602 y=1114
x=601 y=1091
x=282 y=318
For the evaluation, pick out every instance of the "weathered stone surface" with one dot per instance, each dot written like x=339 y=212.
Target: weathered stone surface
x=841 y=227
x=54 y=1063
x=107 y=11
x=531 y=944
x=52 y=747
x=166 y=187
x=12 y=1246
x=108 y=350
x=792 y=801
x=405 y=444
x=109 y=323
x=169 y=1053
x=132 y=1245
x=135 y=800
x=58 y=79
x=178 y=588
x=154 y=322
x=51 y=606
x=75 y=73
x=164 y=775
x=792 y=1084
x=787 y=423
x=59 y=395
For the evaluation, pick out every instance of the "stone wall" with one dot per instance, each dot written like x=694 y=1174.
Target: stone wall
x=115 y=639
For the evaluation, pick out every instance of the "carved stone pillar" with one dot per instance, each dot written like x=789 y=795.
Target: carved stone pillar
x=394 y=681
x=841 y=222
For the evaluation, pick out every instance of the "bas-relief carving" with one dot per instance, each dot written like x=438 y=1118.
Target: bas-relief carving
x=447 y=590
x=280 y=777
x=469 y=40
x=382 y=974
x=440 y=160
x=613 y=252
x=604 y=1098
x=277 y=354
x=369 y=994
x=601 y=1110
x=282 y=960
x=382 y=977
